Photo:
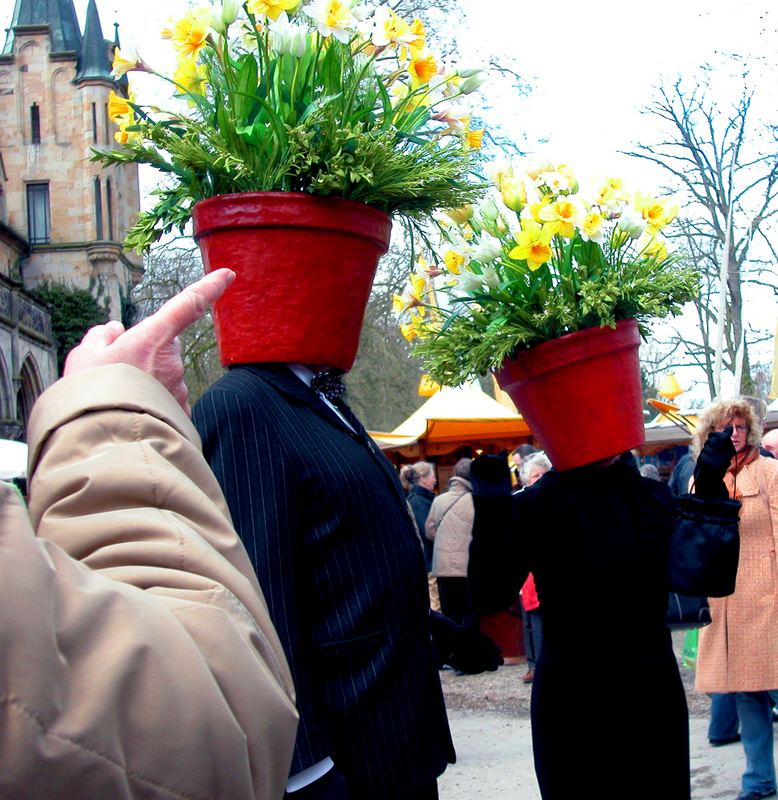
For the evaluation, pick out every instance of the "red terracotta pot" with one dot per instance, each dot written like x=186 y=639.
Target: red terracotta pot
x=580 y=394
x=304 y=265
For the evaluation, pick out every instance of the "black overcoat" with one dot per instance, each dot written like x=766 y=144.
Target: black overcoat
x=609 y=715
x=325 y=521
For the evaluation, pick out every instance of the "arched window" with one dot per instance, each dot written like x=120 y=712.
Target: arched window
x=30 y=390
x=7 y=411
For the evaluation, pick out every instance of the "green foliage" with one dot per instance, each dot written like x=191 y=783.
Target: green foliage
x=73 y=312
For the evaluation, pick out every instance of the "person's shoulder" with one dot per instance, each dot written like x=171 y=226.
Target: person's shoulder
x=769 y=466
x=244 y=383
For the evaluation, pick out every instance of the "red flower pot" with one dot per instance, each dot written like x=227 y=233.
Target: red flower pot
x=580 y=394
x=304 y=265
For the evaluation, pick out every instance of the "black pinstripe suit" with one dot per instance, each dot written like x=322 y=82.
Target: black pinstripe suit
x=324 y=519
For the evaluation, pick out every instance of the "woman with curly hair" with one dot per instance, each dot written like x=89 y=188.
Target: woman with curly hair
x=738 y=651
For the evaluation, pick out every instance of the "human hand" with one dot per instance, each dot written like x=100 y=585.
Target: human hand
x=712 y=464
x=152 y=345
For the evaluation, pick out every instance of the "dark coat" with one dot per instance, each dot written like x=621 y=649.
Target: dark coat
x=596 y=540
x=420 y=501
x=325 y=522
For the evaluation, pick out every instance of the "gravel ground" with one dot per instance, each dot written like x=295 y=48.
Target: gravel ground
x=503 y=691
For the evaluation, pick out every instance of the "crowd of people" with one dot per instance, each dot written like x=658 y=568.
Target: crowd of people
x=219 y=608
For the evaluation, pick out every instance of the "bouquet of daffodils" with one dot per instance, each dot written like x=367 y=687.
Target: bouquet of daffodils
x=322 y=98
x=537 y=259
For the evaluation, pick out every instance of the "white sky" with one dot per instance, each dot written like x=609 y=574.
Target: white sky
x=592 y=66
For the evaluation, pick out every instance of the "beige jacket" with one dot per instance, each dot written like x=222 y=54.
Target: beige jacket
x=138 y=659
x=450 y=526
x=738 y=651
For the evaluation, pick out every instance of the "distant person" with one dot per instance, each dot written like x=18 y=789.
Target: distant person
x=770 y=442
x=650 y=471
x=516 y=457
x=533 y=468
x=138 y=658
x=738 y=651
x=450 y=528
x=423 y=480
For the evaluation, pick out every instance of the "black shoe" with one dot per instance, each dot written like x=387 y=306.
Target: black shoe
x=728 y=740
x=754 y=795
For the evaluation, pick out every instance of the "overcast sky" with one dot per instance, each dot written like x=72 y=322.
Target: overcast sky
x=591 y=65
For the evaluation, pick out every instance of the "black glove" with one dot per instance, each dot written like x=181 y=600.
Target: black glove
x=712 y=464
x=463 y=648
x=490 y=475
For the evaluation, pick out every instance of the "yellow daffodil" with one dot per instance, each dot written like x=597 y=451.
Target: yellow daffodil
x=422 y=68
x=120 y=112
x=190 y=33
x=532 y=245
x=566 y=172
x=454 y=261
x=562 y=216
x=654 y=247
x=460 y=215
x=656 y=213
x=419 y=34
x=391 y=29
x=332 y=18
x=123 y=62
x=418 y=286
x=118 y=107
x=473 y=139
x=189 y=76
x=514 y=193
x=534 y=209
x=413 y=328
x=593 y=227
x=270 y=8
x=611 y=193
x=534 y=171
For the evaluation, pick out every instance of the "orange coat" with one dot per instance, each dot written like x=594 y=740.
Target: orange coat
x=738 y=651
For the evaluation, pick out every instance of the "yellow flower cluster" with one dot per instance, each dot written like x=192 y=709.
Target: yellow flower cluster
x=532 y=217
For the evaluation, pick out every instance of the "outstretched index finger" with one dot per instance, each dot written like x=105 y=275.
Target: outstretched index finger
x=186 y=307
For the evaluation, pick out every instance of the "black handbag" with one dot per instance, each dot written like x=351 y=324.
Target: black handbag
x=705 y=547
x=685 y=612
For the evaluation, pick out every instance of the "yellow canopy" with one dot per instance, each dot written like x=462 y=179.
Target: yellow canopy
x=452 y=417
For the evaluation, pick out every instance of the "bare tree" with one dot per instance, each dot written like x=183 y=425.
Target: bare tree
x=726 y=166
x=169 y=268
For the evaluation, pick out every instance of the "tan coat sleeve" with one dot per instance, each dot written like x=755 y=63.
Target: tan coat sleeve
x=138 y=657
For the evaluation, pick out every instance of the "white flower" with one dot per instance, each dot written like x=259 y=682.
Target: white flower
x=287 y=37
x=555 y=181
x=632 y=223
x=472 y=80
x=491 y=278
x=486 y=249
x=469 y=281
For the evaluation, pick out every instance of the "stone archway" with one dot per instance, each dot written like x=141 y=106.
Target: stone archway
x=30 y=389
x=7 y=405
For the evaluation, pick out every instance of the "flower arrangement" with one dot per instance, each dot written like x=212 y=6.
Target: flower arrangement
x=324 y=98
x=537 y=259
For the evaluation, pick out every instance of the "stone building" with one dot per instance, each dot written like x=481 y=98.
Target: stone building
x=62 y=217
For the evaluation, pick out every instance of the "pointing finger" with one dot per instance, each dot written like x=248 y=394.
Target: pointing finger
x=187 y=307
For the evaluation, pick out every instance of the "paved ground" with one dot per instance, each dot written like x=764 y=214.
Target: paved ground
x=489 y=717
x=495 y=760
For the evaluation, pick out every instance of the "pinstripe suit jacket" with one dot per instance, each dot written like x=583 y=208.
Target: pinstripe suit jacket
x=325 y=522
